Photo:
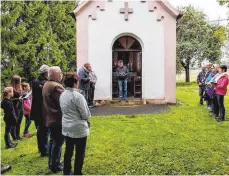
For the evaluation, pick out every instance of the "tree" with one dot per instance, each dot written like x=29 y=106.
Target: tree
x=12 y=31
x=226 y=45
x=197 y=40
x=35 y=33
x=192 y=31
x=224 y=2
x=216 y=40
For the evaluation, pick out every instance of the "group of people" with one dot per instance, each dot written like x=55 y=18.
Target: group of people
x=213 y=82
x=59 y=108
x=15 y=109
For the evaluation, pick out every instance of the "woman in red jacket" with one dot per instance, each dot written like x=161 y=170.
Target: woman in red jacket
x=221 y=90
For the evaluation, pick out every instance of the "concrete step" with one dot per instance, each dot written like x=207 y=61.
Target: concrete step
x=129 y=103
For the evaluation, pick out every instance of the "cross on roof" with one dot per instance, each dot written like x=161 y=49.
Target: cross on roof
x=126 y=11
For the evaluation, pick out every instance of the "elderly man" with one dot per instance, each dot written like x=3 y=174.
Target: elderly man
x=200 y=82
x=37 y=110
x=53 y=116
x=84 y=80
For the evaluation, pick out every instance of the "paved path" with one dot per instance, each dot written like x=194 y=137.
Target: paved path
x=141 y=109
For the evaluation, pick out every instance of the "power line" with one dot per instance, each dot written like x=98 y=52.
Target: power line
x=220 y=20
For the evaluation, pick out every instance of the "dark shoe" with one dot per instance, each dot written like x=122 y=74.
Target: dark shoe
x=5 y=168
x=19 y=138
x=15 y=144
x=120 y=100
x=213 y=115
x=10 y=146
x=45 y=154
x=126 y=100
x=220 y=119
x=58 y=169
x=62 y=163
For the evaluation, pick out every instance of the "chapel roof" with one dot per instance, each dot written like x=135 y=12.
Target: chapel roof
x=82 y=4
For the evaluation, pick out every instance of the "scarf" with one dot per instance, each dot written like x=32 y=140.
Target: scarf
x=86 y=70
x=220 y=76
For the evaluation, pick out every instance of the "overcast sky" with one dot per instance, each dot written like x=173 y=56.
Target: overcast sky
x=210 y=7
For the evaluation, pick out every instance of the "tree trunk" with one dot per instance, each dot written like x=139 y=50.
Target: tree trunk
x=187 y=74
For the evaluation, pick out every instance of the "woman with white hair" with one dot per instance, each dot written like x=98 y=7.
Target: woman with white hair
x=209 y=88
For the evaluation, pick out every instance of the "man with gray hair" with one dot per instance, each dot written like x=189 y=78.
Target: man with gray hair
x=53 y=116
x=37 y=113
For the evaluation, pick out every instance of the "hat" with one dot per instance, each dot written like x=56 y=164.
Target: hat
x=44 y=69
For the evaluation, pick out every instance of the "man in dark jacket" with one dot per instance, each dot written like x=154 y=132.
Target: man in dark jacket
x=84 y=80
x=200 y=82
x=122 y=73
x=37 y=113
x=53 y=116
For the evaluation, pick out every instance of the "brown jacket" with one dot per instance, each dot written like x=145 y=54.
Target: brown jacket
x=51 y=94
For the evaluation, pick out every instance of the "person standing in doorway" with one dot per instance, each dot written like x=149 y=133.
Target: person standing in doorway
x=84 y=80
x=93 y=79
x=37 y=111
x=53 y=116
x=122 y=74
x=200 y=82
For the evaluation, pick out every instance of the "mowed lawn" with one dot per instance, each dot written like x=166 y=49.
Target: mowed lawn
x=184 y=140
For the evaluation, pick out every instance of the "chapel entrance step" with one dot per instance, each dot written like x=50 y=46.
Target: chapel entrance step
x=129 y=103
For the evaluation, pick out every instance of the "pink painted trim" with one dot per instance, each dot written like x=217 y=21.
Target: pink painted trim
x=170 y=58
x=81 y=7
x=169 y=8
x=164 y=3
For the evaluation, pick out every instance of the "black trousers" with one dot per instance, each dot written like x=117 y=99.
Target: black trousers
x=15 y=131
x=201 y=94
x=80 y=145
x=8 y=129
x=42 y=136
x=91 y=95
x=219 y=108
x=215 y=109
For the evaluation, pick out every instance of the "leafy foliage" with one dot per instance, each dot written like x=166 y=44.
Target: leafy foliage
x=197 y=40
x=35 y=33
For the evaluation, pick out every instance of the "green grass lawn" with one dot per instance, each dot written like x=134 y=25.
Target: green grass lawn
x=182 y=141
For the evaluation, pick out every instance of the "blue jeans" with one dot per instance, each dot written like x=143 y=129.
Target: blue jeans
x=122 y=93
x=56 y=142
x=8 y=128
x=27 y=123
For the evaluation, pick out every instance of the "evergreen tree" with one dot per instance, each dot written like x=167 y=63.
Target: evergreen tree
x=36 y=33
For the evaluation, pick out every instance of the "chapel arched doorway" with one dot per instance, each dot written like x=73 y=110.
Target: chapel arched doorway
x=129 y=50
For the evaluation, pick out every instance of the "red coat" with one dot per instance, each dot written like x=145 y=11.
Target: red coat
x=221 y=86
x=27 y=105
